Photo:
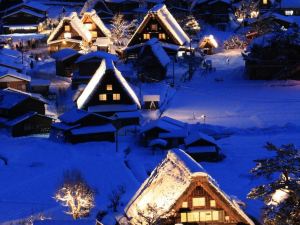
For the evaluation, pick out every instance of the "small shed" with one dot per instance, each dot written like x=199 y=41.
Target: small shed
x=40 y=86
x=202 y=147
x=151 y=102
x=28 y=124
x=208 y=44
x=65 y=61
x=152 y=61
x=14 y=80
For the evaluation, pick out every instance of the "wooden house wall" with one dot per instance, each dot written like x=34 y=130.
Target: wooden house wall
x=21 y=85
x=26 y=106
x=200 y=188
x=95 y=28
x=66 y=67
x=154 y=33
x=149 y=67
x=88 y=67
x=109 y=136
x=34 y=125
x=60 y=33
x=110 y=78
x=54 y=47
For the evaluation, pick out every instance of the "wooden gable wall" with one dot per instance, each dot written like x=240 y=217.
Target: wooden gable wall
x=87 y=19
x=147 y=32
x=117 y=88
x=60 y=33
x=212 y=209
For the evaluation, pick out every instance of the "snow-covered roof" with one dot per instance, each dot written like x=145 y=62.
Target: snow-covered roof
x=64 y=222
x=76 y=24
x=113 y=108
x=16 y=75
x=64 y=54
x=166 y=123
x=94 y=129
x=10 y=62
x=290 y=4
x=10 y=99
x=174 y=134
x=199 y=136
x=169 y=181
x=27 y=11
x=31 y=4
x=164 y=15
x=158 y=51
x=158 y=142
x=23 y=118
x=29 y=94
x=97 y=20
x=98 y=55
x=10 y=52
x=127 y=115
x=94 y=83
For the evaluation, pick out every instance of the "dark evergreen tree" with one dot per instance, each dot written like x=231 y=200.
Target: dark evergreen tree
x=282 y=195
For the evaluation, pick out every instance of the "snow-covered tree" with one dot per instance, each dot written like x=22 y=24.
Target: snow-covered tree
x=247 y=9
x=75 y=194
x=282 y=195
x=152 y=215
x=121 y=29
x=235 y=42
x=191 y=25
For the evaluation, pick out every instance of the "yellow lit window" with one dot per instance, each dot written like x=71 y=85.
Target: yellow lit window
x=212 y=203
x=227 y=218
x=102 y=97
x=215 y=215
x=184 y=205
x=94 y=34
x=183 y=217
x=199 y=201
x=146 y=36
x=193 y=216
x=67 y=28
x=109 y=87
x=265 y=2
x=89 y=26
x=116 y=97
x=162 y=36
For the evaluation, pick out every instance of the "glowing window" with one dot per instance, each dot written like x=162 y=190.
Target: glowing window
x=227 y=218
x=289 y=12
x=67 y=35
x=102 y=97
x=193 y=216
x=183 y=217
x=67 y=28
x=109 y=87
x=146 y=36
x=116 y=97
x=162 y=36
x=94 y=34
x=212 y=203
x=199 y=201
x=89 y=26
x=265 y=2
x=215 y=215
x=184 y=205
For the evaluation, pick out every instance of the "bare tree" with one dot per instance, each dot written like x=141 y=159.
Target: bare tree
x=75 y=194
x=121 y=29
x=115 y=197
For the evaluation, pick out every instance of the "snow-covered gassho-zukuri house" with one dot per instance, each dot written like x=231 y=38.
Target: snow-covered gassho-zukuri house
x=24 y=17
x=99 y=32
x=108 y=92
x=159 y=23
x=70 y=33
x=180 y=185
x=152 y=62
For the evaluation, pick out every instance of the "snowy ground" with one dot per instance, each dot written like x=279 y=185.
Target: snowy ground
x=253 y=112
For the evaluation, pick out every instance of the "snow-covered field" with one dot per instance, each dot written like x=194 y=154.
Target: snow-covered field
x=253 y=112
